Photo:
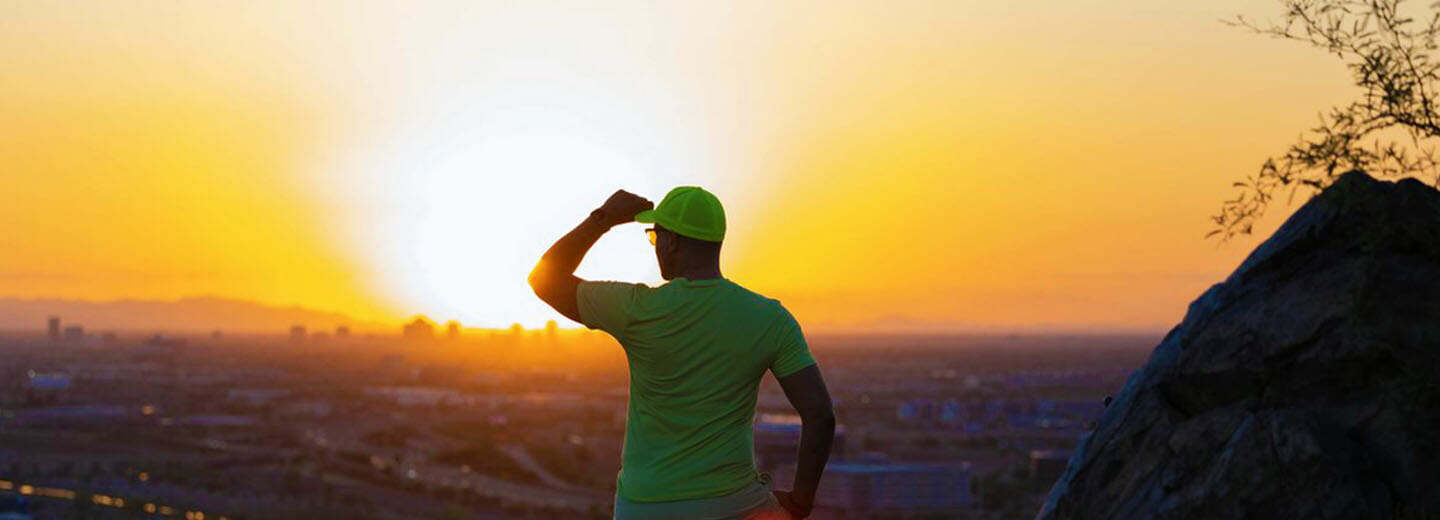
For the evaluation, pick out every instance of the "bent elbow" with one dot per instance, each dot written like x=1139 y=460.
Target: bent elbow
x=827 y=419
x=823 y=417
x=537 y=280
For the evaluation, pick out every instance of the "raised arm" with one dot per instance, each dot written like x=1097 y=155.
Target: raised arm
x=807 y=393
x=553 y=278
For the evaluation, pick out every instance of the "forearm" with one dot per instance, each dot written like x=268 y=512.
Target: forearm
x=816 y=436
x=553 y=278
x=565 y=255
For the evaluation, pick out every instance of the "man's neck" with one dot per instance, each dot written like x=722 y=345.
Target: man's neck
x=700 y=273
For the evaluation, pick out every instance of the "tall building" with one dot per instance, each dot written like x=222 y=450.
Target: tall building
x=552 y=332
x=297 y=333
x=452 y=330
x=53 y=324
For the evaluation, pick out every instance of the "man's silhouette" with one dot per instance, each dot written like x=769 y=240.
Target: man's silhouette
x=697 y=347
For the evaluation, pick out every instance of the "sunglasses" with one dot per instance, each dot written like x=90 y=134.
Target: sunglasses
x=650 y=232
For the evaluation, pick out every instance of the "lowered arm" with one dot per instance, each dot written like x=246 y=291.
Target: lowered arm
x=807 y=393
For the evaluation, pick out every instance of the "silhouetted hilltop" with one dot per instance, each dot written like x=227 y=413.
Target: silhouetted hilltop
x=186 y=314
x=1306 y=385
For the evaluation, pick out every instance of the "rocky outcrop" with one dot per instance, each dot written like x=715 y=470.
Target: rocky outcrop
x=1306 y=385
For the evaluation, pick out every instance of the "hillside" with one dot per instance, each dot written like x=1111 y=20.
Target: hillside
x=1306 y=385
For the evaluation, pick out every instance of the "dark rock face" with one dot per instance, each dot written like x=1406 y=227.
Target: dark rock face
x=1306 y=385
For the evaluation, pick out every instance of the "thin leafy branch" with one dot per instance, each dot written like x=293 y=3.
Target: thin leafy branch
x=1391 y=131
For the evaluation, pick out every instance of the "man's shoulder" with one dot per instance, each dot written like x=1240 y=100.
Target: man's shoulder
x=609 y=305
x=635 y=288
x=760 y=301
x=613 y=285
x=612 y=292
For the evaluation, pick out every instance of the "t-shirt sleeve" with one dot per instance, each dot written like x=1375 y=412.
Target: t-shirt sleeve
x=608 y=306
x=793 y=354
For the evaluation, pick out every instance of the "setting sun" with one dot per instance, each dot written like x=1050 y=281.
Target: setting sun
x=400 y=161
x=466 y=227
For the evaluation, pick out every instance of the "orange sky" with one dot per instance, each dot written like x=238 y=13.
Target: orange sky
x=928 y=166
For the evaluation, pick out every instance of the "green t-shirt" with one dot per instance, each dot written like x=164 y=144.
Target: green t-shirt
x=697 y=351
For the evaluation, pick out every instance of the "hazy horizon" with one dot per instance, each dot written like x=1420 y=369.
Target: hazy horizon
x=131 y=315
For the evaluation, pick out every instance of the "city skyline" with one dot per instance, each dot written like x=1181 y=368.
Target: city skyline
x=99 y=319
x=93 y=320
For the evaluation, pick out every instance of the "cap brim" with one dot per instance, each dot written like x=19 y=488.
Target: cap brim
x=645 y=217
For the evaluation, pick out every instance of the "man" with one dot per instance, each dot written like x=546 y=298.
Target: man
x=698 y=347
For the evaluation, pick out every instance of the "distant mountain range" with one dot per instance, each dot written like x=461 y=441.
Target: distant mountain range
x=186 y=314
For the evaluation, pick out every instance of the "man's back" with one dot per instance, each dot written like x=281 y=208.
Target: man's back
x=698 y=348
x=697 y=351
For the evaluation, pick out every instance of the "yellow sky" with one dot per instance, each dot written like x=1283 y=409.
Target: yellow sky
x=1020 y=165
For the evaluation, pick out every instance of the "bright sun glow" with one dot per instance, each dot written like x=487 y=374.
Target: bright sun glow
x=911 y=166
x=468 y=211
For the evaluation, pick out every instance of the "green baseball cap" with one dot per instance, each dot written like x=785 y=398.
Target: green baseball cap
x=689 y=211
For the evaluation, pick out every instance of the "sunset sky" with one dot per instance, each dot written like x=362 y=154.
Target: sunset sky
x=924 y=166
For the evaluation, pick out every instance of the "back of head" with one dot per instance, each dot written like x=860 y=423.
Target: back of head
x=690 y=225
x=691 y=212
